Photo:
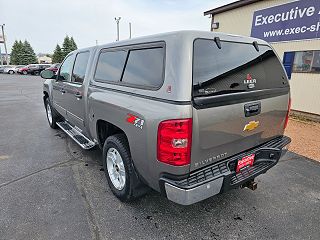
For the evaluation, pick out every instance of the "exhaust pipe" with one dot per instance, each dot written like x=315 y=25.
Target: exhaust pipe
x=251 y=185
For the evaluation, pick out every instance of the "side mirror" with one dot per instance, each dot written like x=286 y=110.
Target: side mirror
x=47 y=74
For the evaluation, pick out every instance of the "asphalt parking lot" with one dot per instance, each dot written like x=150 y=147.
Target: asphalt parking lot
x=51 y=189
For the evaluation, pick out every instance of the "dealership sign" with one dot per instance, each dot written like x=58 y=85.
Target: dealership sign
x=292 y=21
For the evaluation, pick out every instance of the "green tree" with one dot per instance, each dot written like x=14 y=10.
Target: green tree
x=14 y=53
x=29 y=55
x=73 y=44
x=57 y=56
x=68 y=46
x=17 y=53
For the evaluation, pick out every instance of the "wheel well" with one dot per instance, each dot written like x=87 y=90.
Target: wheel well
x=45 y=96
x=105 y=130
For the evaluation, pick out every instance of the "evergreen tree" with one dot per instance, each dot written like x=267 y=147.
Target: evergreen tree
x=17 y=53
x=73 y=44
x=57 y=56
x=20 y=52
x=66 y=46
x=14 y=52
x=29 y=55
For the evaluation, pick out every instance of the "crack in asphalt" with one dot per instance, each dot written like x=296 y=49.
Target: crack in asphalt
x=93 y=225
x=95 y=231
x=72 y=158
x=72 y=162
x=59 y=164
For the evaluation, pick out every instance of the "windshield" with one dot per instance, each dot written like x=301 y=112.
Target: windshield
x=236 y=67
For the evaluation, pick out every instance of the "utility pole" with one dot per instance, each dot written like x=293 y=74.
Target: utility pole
x=1 y=56
x=96 y=42
x=117 y=20
x=4 y=42
x=129 y=30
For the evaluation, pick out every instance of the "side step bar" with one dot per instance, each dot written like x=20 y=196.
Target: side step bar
x=76 y=135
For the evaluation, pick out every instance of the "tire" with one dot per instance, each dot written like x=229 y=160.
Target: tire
x=11 y=72
x=36 y=73
x=24 y=72
x=114 y=147
x=52 y=115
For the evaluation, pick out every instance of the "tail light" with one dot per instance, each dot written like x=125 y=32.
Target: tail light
x=287 y=116
x=174 y=141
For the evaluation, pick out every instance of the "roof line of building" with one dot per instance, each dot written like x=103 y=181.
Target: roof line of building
x=230 y=6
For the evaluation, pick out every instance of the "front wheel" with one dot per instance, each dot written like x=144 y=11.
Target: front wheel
x=24 y=72
x=11 y=72
x=119 y=170
x=52 y=116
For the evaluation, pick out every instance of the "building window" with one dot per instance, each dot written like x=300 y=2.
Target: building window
x=306 y=62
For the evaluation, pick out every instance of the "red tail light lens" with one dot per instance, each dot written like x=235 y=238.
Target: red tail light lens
x=287 y=116
x=174 y=141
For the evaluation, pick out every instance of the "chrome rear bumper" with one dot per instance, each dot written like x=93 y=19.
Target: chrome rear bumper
x=221 y=177
x=197 y=194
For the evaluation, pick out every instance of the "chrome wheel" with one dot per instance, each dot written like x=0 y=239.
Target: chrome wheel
x=49 y=113
x=115 y=167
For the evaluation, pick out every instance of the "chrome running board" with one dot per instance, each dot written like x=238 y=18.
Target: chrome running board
x=76 y=135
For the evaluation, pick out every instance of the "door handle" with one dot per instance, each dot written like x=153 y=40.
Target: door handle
x=252 y=109
x=78 y=95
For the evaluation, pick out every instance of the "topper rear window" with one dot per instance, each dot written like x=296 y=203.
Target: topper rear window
x=233 y=68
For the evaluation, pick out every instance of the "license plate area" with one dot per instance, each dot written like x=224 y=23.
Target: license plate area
x=245 y=162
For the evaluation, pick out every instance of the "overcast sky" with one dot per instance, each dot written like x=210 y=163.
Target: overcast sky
x=45 y=23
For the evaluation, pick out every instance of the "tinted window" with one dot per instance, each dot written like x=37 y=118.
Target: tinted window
x=66 y=67
x=236 y=67
x=144 y=67
x=80 y=67
x=110 y=66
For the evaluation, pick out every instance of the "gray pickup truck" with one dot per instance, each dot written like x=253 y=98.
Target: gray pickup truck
x=190 y=114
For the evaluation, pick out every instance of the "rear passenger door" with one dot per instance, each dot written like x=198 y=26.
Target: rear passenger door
x=75 y=90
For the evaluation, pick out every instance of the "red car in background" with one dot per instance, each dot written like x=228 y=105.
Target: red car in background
x=24 y=70
x=54 y=67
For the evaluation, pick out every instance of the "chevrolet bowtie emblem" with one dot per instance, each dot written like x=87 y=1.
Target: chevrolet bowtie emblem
x=251 y=125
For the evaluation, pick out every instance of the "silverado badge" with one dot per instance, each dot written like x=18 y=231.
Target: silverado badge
x=251 y=126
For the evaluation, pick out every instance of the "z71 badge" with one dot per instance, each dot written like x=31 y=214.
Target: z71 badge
x=136 y=121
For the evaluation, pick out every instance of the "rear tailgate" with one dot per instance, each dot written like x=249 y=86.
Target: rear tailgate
x=240 y=99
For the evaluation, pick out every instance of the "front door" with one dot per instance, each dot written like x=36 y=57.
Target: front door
x=60 y=84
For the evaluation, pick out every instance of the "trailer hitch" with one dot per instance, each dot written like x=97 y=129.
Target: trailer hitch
x=250 y=184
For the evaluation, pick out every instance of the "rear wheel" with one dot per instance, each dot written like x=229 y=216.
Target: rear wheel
x=119 y=170
x=24 y=72
x=52 y=115
x=11 y=72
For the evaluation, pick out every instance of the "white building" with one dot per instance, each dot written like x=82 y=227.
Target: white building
x=43 y=58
